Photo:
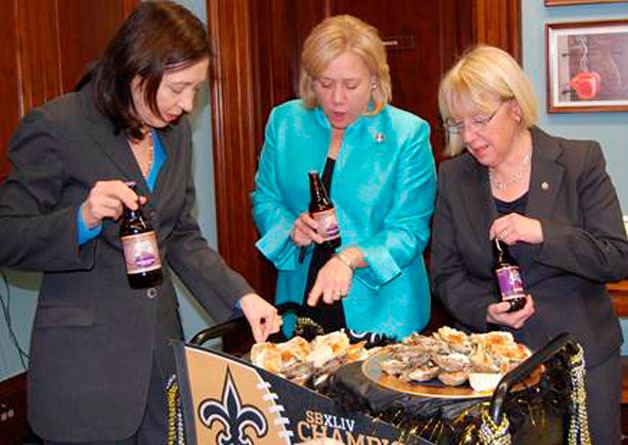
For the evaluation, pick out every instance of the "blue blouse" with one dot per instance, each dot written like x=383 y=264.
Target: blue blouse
x=160 y=156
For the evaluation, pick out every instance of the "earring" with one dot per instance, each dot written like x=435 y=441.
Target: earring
x=373 y=86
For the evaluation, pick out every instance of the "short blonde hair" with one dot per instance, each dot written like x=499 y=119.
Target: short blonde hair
x=483 y=75
x=334 y=36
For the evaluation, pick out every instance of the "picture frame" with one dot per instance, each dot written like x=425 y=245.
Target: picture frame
x=587 y=66
x=579 y=2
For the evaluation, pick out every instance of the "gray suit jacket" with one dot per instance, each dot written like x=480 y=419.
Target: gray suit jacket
x=584 y=245
x=93 y=336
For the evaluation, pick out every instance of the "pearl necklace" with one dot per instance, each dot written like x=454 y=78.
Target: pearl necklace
x=517 y=178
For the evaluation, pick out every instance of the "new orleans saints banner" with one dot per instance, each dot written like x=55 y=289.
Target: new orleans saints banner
x=227 y=401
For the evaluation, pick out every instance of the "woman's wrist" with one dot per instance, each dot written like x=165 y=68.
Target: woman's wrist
x=345 y=260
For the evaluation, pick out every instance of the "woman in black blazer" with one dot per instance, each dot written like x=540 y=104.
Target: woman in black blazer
x=551 y=201
x=100 y=353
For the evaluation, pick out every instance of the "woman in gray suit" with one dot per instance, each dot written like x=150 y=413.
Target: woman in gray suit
x=551 y=201
x=100 y=353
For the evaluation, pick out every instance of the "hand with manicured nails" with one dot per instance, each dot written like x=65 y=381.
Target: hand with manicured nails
x=261 y=315
x=333 y=283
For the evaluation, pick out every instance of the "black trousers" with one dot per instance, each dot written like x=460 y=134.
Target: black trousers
x=603 y=384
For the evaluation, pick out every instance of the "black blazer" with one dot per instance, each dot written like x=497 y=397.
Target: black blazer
x=93 y=336
x=584 y=245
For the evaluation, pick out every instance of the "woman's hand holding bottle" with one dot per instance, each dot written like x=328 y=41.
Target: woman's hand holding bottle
x=515 y=227
x=107 y=199
x=304 y=231
x=499 y=313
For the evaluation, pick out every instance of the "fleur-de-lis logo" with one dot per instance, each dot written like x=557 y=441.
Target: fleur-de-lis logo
x=234 y=417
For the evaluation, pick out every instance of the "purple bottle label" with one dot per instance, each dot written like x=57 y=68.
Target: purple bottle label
x=141 y=253
x=510 y=283
x=327 y=224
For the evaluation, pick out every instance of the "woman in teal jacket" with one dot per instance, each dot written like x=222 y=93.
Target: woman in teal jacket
x=383 y=187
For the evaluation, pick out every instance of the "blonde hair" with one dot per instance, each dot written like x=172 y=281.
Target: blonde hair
x=334 y=36
x=484 y=75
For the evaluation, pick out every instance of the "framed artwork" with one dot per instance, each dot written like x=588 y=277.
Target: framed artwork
x=579 y=2
x=587 y=66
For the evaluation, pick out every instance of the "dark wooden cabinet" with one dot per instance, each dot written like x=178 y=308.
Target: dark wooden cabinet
x=13 y=423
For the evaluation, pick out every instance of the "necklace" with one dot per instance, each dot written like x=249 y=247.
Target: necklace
x=518 y=177
x=144 y=153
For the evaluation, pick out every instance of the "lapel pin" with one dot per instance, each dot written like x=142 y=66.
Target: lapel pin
x=379 y=137
x=544 y=186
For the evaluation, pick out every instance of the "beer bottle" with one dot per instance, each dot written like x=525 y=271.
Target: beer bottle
x=508 y=277
x=322 y=210
x=139 y=242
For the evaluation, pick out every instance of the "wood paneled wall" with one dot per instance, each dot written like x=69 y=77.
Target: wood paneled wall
x=498 y=23
x=45 y=47
x=236 y=134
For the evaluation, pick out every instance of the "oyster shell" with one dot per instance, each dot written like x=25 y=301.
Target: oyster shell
x=393 y=367
x=298 y=372
x=452 y=362
x=420 y=374
x=456 y=340
x=429 y=344
x=412 y=356
x=482 y=361
x=455 y=378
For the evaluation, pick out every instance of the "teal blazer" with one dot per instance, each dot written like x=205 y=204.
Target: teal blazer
x=383 y=188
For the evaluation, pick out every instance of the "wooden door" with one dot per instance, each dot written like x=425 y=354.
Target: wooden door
x=257 y=45
x=421 y=40
x=45 y=46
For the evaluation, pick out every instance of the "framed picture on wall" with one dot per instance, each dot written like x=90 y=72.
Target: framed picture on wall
x=579 y=2
x=587 y=66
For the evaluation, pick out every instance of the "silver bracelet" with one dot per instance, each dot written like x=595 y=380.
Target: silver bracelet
x=345 y=261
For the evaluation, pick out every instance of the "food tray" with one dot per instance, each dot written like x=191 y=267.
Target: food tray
x=372 y=370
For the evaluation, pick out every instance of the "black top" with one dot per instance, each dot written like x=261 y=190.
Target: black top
x=330 y=317
x=519 y=206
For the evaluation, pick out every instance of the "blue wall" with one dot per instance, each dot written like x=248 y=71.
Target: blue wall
x=610 y=129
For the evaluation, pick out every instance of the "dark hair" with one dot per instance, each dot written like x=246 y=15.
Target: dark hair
x=159 y=36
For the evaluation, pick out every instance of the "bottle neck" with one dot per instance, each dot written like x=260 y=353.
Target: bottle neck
x=131 y=214
x=318 y=194
x=501 y=253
